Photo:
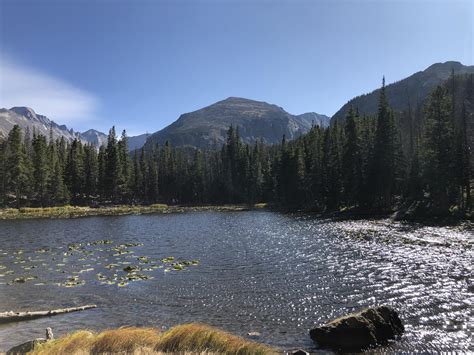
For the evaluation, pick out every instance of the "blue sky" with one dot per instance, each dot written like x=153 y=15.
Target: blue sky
x=139 y=64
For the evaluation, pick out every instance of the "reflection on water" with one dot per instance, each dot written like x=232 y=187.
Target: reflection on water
x=259 y=271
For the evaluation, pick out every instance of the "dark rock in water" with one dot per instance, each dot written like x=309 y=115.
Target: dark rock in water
x=358 y=331
x=298 y=352
x=253 y=335
x=26 y=347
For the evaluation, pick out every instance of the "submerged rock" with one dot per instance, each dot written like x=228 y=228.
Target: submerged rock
x=254 y=335
x=298 y=352
x=358 y=331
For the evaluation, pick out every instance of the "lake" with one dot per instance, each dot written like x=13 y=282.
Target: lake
x=255 y=271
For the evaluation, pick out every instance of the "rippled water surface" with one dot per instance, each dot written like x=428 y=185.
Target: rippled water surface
x=264 y=272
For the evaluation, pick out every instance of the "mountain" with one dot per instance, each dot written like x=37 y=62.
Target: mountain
x=28 y=120
x=98 y=139
x=207 y=127
x=407 y=94
x=311 y=119
x=136 y=142
x=95 y=137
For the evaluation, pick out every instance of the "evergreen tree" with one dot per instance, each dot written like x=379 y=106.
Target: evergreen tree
x=384 y=164
x=351 y=161
x=137 y=179
x=41 y=169
x=18 y=172
x=91 y=170
x=74 y=176
x=438 y=149
x=3 y=172
x=125 y=167
x=113 y=178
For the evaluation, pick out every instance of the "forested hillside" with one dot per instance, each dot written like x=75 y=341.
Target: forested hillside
x=357 y=164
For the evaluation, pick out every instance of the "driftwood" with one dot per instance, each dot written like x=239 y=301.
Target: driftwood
x=7 y=317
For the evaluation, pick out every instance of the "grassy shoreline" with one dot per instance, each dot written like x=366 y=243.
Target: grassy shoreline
x=190 y=338
x=77 y=211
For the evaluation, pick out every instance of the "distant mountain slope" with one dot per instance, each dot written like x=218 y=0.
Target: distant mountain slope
x=30 y=121
x=311 y=119
x=207 y=127
x=98 y=139
x=95 y=137
x=407 y=93
x=27 y=119
x=136 y=142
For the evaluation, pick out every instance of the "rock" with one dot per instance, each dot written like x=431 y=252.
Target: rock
x=26 y=347
x=49 y=334
x=131 y=268
x=358 y=331
x=298 y=352
x=253 y=335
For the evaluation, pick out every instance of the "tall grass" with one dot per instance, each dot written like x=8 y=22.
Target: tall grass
x=76 y=211
x=185 y=339
x=124 y=340
x=203 y=338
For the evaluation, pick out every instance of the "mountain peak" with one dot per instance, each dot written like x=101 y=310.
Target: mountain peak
x=445 y=66
x=408 y=93
x=235 y=99
x=24 y=111
x=257 y=120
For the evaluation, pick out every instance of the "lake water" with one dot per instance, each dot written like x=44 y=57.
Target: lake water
x=258 y=271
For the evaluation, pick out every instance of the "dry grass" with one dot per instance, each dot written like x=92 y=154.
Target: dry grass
x=203 y=338
x=76 y=211
x=125 y=340
x=76 y=343
x=184 y=339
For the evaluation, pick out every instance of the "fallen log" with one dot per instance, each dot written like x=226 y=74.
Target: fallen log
x=8 y=317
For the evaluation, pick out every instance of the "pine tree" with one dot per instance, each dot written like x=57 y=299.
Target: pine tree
x=3 y=172
x=351 y=161
x=137 y=179
x=91 y=170
x=144 y=173
x=125 y=167
x=101 y=171
x=113 y=177
x=384 y=164
x=57 y=191
x=331 y=184
x=40 y=169
x=74 y=176
x=18 y=173
x=438 y=149
x=152 y=181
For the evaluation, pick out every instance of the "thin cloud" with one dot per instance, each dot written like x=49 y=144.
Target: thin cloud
x=47 y=95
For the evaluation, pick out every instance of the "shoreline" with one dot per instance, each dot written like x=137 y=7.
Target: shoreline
x=67 y=212
x=121 y=210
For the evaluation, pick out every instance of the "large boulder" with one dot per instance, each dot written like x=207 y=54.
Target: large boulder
x=358 y=331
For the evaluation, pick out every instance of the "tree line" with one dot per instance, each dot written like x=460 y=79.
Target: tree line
x=359 y=164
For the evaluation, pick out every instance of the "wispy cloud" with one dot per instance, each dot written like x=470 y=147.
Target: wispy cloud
x=62 y=102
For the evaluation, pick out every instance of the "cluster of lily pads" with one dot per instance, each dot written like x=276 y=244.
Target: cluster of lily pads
x=113 y=264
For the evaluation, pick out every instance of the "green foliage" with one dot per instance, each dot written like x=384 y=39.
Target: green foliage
x=439 y=149
x=361 y=164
